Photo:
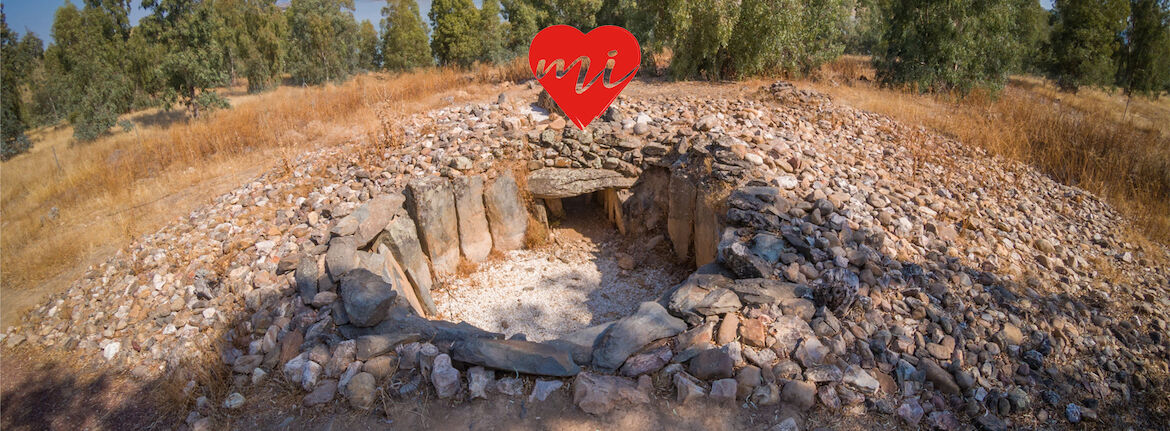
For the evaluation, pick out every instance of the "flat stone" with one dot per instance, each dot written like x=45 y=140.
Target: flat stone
x=687 y=388
x=506 y=214
x=556 y=183
x=942 y=379
x=381 y=367
x=432 y=206
x=478 y=380
x=475 y=239
x=401 y=238
x=712 y=364
x=647 y=362
x=628 y=335
x=371 y=217
x=516 y=356
x=543 y=388
x=341 y=257
x=723 y=391
x=323 y=393
x=859 y=379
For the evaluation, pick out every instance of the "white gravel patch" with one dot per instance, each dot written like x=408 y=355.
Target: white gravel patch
x=556 y=290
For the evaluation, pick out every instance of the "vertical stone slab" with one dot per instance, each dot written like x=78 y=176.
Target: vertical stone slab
x=707 y=228
x=680 y=217
x=401 y=237
x=475 y=240
x=555 y=208
x=392 y=272
x=432 y=205
x=506 y=215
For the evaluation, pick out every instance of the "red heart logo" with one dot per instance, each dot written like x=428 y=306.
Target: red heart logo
x=605 y=60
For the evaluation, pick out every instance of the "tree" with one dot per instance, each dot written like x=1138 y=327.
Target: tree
x=455 y=38
x=732 y=39
x=1032 y=28
x=323 y=40
x=253 y=39
x=1146 y=67
x=865 y=28
x=194 y=60
x=523 y=22
x=367 y=47
x=13 y=119
x=949 y=44
x=404 y=36
x=1085 y=40
x=87 y=66
x=493 y=33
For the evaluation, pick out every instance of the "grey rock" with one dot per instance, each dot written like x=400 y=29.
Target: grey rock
x=306 y=277
x=478 y=380
x=361 y=390
x=341 y=257
x=475 y=239
x=556 y=183
x=703 y=295
x=543 y=388
x=234 y=401
x=911 y=412
x=680 y=218
x=401 y=237
x=647 y=362
x=597 y=394
x=372 y=216
x=322 y=394
x=942 y=379
x=742 y=262
x=801 y=394
x=723 y=391
x=860 y=380
x=366 y=297
x=788 y=424
x=580 y=343
x=444 y=377
x=432 y=206
x=687 y=388
x=628 y=335
x=516 y=356
x=712 y=364
x=381 y=366
x=507 y=217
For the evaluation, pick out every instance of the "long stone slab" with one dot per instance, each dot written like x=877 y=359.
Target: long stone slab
x=401 y=237
x=432 y=206
x=551 y=183
x=517 y=356
x=507 y=217
x=475 y=239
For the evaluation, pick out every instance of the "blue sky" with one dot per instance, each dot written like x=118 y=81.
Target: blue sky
x=37 y=15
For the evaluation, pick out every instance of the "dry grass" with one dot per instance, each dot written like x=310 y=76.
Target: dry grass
x=64 y=203
x=1090 y=139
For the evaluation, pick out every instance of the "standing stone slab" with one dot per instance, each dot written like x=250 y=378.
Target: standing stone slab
x=401 y=237
x=680 y=217
x=475 y=239
x=707 y=230
x=392 y=272
x=432 y=205
x=506 y=215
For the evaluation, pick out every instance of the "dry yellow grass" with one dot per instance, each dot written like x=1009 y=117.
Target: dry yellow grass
x=1089 y=139
x=63 y=204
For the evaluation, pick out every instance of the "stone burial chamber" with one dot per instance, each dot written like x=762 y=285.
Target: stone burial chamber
x=375 y=281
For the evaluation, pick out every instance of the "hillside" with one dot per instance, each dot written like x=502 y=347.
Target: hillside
x=908 y=279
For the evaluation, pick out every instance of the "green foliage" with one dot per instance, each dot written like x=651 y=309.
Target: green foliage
x=949 y=44
x=253 y=39
x=732 y=39
x=455 y=26
x=1032 y=29
x=524 y=21
x=404 y=36
x=13 y=118
x=492 y=33
x=194 y=60
x=323 y=40
x=1146 y=62
x=1085 y=40
x=367 y=45
x=865 y=30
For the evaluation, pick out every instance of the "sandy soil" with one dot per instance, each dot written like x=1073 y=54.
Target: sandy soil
x=573 y=283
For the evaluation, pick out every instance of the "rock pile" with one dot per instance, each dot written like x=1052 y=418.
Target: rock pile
x=843 y=262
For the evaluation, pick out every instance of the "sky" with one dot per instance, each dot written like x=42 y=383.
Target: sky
x=37 y=15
